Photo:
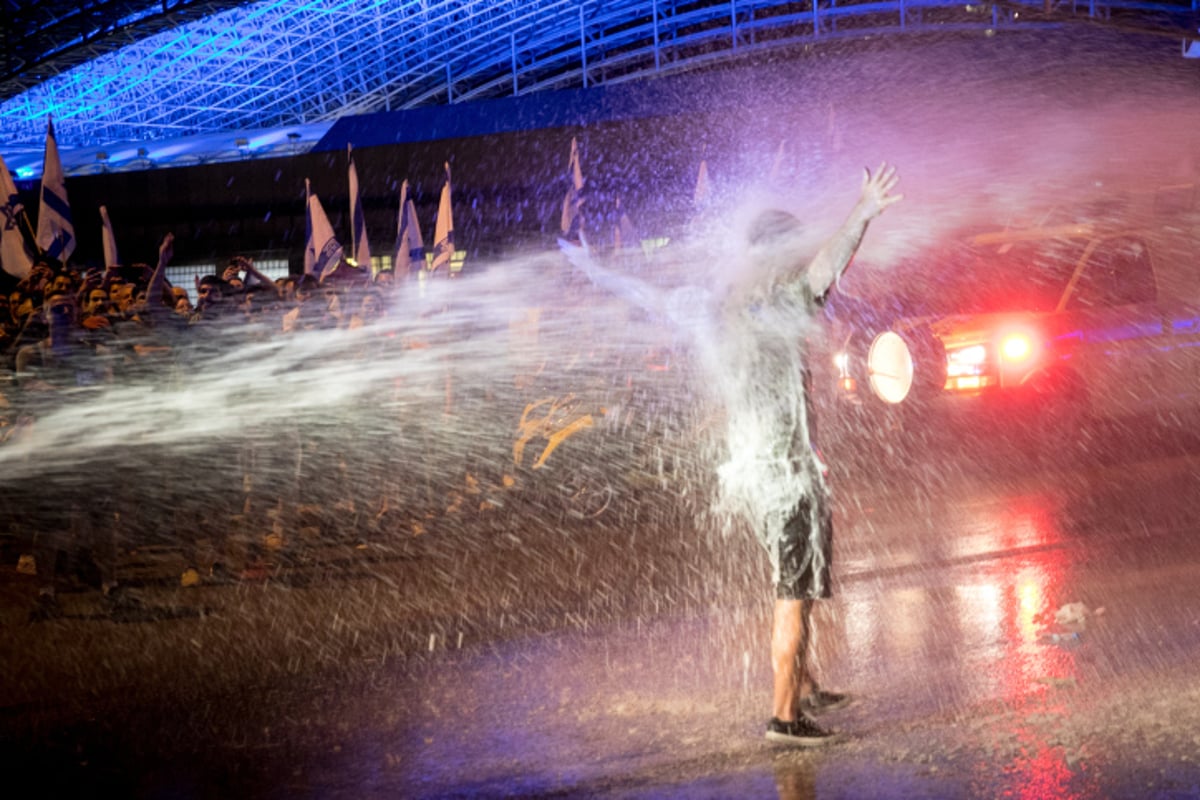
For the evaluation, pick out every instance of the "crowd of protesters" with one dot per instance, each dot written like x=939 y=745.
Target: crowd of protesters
x=246 y=503
x=63 y=331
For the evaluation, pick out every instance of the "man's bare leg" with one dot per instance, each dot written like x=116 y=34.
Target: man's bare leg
x=790 y=637
x=789 y=654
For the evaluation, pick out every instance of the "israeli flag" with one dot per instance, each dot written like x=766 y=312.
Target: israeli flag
x=322 y=251
x=15 y=255
x=409 y=254
x=443 y=233
x=358 y=221
x=55 y=232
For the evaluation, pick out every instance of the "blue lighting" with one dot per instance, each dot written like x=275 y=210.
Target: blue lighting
x=270 y=66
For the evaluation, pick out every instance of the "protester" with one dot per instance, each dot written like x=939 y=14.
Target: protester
x=211 y=293
x=181 y=304
x=95 y=308
x=749 y=340
x=370 y=310
x=307 y=312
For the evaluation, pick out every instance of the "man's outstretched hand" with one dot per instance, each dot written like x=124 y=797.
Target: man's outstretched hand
x=877 y=191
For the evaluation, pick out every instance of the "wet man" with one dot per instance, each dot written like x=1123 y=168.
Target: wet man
x=749 y=341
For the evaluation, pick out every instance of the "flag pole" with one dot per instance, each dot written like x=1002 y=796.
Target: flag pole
x=31 y=235
x=28 y=230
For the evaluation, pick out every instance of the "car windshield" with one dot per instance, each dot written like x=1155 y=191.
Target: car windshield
x=969 y=277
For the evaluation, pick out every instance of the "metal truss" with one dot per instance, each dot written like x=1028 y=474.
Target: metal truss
x=44 y=38
x=280 y=63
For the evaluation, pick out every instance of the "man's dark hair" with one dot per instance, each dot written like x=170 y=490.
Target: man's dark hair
x=219 y=287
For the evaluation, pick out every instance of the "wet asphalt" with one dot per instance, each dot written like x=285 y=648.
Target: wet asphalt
x=1006 y=628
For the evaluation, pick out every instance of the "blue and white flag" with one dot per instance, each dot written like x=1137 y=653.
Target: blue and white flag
x=55 y=232
x=16 y=257
x=443 y=232
x=572 y=207
x=358 y=233
x=108 y=240
x=321 y=250
x=409 y=256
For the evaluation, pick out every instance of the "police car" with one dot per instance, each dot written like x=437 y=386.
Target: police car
x=1043 y=328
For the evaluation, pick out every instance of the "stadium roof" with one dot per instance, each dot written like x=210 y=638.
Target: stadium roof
x=137 y=83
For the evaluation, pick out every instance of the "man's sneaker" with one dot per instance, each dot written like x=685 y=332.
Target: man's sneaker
x=802 y=732
x=821 y=701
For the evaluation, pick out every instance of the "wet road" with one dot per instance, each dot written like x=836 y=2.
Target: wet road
x=1008 y=631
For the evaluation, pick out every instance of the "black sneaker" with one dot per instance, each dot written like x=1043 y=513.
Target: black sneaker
x=802 y=732
x=821 y=701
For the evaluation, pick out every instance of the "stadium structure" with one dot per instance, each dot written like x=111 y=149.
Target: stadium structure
x=134 y=84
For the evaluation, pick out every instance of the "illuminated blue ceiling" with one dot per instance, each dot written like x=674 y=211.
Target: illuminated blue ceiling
x=235 y=82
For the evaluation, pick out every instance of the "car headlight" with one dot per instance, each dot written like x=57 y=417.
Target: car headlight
x=890 y=367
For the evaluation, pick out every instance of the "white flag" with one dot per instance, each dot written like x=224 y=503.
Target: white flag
x=572 y=207
x=358 y=222
x=443 y=232
x=15 y=255
x=409 y=255
x=322 y=251
x=55 y=233
x=108 y=239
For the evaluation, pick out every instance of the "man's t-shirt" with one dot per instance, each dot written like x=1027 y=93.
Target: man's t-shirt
x=770 y=462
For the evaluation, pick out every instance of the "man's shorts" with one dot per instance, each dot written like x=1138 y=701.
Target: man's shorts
x=802 y=556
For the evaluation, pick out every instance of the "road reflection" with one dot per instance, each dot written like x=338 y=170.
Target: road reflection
x=969 y=620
